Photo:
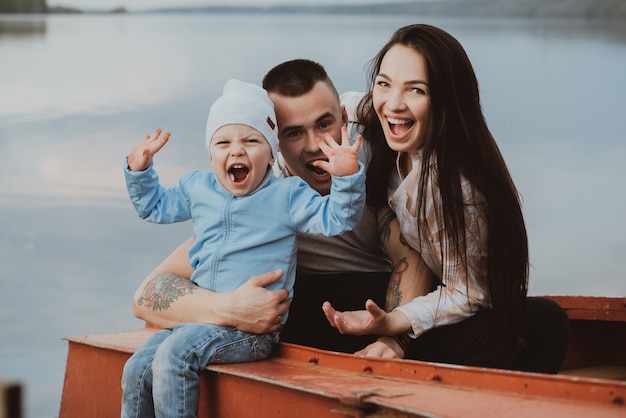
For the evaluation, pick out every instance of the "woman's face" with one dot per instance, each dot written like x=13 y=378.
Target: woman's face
x=402 y=99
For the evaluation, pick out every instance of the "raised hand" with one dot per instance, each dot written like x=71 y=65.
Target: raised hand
x=141 y=155
x=342 y=158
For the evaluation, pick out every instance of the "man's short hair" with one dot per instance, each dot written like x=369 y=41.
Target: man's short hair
x=296 y=77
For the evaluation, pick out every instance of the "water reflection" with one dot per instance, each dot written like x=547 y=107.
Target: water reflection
x=590 y=29
x=12 y=27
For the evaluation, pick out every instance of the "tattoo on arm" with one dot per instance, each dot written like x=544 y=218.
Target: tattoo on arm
x=394 y=295
x=384 y=222
x=163 y=289
x=384 y=228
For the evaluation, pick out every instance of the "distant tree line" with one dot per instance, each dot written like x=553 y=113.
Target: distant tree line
x=508 y=8
x=476 y=8
x=23 y=6
x=451 y=8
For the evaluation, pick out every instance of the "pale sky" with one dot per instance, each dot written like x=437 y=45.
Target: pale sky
x=152 y=4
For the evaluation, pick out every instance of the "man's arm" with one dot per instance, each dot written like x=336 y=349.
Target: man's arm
x=167 y=297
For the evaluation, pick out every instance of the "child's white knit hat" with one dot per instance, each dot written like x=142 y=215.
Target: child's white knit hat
x=245 y=104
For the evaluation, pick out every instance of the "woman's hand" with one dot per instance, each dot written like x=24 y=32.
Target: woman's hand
x=372 y=320
x=384 y=347
x=369 y=321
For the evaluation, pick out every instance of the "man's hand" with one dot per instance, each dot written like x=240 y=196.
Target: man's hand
x=141 y=155
x=253 y=308
x=342 y=158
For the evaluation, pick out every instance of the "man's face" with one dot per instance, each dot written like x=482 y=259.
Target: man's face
x=302 y=119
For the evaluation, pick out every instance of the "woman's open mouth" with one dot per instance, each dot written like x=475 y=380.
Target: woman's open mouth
x=400 y=126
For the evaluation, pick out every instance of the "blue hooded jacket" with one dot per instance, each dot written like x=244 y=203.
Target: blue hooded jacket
x=237 y=237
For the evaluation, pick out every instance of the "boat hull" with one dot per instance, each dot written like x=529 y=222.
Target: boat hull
x=305 y=382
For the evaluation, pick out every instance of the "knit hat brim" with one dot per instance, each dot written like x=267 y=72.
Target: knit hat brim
x=245 y=104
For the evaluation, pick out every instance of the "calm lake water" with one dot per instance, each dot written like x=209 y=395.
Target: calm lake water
x=77 y=92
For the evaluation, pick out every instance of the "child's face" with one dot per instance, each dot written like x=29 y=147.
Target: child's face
x=240 y=157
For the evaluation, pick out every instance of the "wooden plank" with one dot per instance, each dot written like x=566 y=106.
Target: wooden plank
x=386 y=395
x=92 y=384
x=599 y=372
x=469 y=378
x=10 y=400
x=593 y=307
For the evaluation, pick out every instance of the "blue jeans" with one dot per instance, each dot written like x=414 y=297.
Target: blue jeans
x=162 y=378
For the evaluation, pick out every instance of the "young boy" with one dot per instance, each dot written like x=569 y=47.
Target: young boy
x=245 y=220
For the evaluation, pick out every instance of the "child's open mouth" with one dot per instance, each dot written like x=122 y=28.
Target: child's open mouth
x=238 y=173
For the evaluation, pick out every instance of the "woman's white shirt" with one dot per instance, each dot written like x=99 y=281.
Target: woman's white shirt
x=462 y=292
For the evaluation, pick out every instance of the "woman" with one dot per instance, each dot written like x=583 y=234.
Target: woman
x=439 y=169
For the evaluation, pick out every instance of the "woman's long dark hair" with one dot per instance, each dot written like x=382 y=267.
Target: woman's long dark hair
x=461 y=144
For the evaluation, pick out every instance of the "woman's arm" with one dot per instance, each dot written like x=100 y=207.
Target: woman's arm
x=463 y=290
x=167 y=297
x=410 y=278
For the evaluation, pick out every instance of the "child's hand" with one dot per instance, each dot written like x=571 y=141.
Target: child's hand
x=141 y=156
x=342 y=159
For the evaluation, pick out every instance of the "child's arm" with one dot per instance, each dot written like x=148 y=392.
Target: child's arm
x=141 y=155
x=153 y=202
x=342 y=158
x=341 y=210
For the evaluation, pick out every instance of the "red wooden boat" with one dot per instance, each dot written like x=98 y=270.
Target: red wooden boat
x=305 y=382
